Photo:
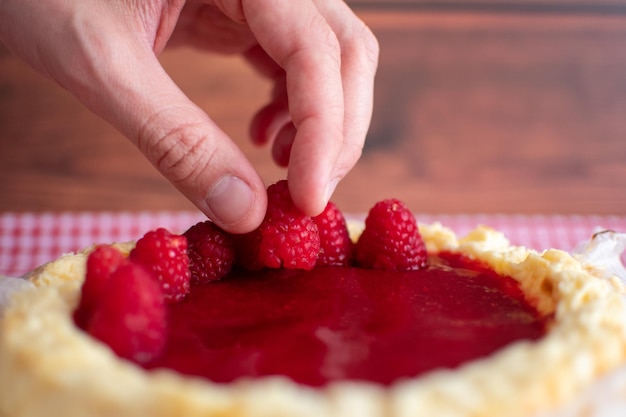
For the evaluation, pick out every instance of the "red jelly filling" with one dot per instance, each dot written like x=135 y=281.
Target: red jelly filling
x=339 y=323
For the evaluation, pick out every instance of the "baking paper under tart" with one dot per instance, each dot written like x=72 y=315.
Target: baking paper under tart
x=49 y=367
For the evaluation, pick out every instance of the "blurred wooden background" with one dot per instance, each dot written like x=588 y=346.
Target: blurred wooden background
x=481 y=107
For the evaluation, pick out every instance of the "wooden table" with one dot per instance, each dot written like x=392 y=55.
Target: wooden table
x=490 y=107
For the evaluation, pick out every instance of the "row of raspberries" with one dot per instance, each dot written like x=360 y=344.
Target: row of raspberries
x=123 y=299
x=287 y=238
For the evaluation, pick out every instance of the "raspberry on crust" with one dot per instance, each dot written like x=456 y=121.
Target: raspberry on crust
x=391 y=239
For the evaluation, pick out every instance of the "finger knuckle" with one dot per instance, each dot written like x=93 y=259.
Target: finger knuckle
x=182 y=154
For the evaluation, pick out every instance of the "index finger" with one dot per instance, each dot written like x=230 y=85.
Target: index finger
x=300 y=40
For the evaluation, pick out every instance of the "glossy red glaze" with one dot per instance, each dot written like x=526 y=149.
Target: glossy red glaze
x=338 y=323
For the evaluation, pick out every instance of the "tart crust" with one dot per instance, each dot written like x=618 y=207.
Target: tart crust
x=49 y=367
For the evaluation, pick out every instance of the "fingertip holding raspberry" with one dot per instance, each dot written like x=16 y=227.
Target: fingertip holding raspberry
x=287 y=238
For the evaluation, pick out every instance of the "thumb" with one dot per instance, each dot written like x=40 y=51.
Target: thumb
x=202 y=162
x=180 y=140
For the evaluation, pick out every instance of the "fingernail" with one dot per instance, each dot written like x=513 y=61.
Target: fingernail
x=230 y=200
x=330 y=188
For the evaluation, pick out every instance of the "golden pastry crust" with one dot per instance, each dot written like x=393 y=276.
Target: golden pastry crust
x=49 y=367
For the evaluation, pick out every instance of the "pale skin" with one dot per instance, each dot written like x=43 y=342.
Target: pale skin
x=319 y=54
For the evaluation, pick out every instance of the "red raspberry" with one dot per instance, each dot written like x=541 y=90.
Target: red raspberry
x=131 y=316
x=101 y=262
x=336 y=248
x=164 y=255
x=286 y=238
x=211 y=252
x=391 y=239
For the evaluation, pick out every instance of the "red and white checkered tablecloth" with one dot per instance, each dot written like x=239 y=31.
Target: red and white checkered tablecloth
x=31 y=239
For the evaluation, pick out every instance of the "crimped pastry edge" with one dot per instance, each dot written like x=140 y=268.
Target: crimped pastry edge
x=49 y=367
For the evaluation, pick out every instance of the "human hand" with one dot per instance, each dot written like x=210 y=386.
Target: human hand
x=321 y=57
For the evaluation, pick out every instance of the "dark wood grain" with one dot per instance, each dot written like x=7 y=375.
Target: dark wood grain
x=477 y=109
x=499 y=113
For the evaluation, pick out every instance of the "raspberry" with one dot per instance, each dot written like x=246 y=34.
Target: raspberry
x=336 y=248
x=131 y=315
x=391 y=239
x=164 y=255
x=101 y=262
x=286 y=238
x=211 y=252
